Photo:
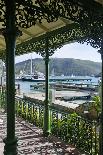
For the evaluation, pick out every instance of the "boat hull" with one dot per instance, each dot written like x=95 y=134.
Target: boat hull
x=33 y=80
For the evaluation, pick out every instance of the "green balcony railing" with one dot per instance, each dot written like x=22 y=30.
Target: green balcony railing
x=71 y=128
x=32 y=112
x=75 y=130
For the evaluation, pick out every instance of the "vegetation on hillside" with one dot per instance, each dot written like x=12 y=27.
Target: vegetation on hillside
x=59 y=66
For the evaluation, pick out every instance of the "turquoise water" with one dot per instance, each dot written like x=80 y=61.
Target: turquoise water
x=25 y=86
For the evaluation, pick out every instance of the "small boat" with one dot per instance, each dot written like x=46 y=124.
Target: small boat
x=34 y=77
x=38 y=86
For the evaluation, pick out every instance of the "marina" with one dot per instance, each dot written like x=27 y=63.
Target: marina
x=42 y=113
x=79 y=82
x=69 y=94
x=41 y=78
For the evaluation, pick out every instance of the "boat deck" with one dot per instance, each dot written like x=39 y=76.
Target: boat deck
x=32 y=142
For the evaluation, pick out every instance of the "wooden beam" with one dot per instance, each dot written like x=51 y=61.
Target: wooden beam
x=42 y=27
x=3 y=40
x=30 y=34
x=26 y=32
x=34 y=36
x=65 y=21
x=1 y=44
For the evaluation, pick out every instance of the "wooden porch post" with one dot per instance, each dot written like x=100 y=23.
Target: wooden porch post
x=46 y=128
x=10 y=141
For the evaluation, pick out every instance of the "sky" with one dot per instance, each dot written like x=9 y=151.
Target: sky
x=73 y=50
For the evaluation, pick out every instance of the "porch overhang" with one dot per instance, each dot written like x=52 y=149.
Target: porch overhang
x=45 y=26
x=35 y=19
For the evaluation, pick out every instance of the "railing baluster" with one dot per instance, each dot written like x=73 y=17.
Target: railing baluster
x=82 y=133
x=92 y=133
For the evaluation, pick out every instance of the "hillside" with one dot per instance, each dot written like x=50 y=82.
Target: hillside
x=65 y=66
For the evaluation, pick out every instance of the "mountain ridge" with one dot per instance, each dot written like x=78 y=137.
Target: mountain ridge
x=61 y=66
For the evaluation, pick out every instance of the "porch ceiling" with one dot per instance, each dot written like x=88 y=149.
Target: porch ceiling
x=40 y=28
x=99 y=1
x=37 y=29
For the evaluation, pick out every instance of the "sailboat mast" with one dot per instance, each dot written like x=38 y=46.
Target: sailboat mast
x=31 y=65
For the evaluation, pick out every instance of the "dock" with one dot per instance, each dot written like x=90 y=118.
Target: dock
x=66 y=86
x=60 y=98
x=69 y=78
x=60 y=79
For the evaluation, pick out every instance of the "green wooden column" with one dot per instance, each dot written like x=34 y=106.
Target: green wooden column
x=10 y=141
x=46 y=128
x=101 y=117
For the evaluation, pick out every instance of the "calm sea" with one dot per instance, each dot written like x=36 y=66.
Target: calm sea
x=25 y=86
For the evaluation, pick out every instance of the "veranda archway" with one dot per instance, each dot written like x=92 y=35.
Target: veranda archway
x=17 y=15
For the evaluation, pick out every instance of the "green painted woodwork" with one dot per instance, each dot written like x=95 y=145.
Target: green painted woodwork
x=46 y=128
x=10 y=141
x=69 y=127
x=88 y=15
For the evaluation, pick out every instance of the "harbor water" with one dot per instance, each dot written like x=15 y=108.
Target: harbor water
x=25 y=85
x=62 y=97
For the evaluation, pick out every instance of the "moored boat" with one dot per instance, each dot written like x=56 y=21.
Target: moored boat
x=38 y=77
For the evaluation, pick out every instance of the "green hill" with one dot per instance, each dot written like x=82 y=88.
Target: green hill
x=65 y=66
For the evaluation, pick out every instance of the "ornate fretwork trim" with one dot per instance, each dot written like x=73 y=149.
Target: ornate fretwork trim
x=94 y=35
x=28 y=13
x=88 y=15
x=2 y=13
x=57 y=39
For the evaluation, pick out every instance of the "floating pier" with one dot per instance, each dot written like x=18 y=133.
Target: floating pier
x=72 y=98
x=66 y=86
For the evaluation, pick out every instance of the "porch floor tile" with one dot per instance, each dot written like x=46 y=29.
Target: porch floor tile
x=32 y=142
